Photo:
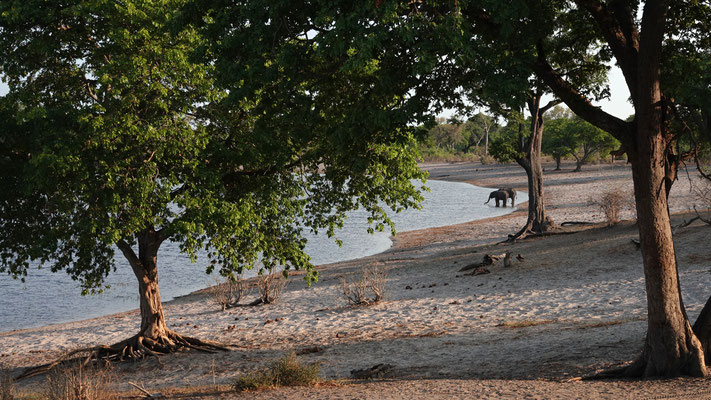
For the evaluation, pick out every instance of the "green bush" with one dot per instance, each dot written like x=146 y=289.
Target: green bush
x=286 y=371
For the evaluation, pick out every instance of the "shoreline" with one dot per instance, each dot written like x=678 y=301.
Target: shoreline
x=392 y=240
x=574 y=305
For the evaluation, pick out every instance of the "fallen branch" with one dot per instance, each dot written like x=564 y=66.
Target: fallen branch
x=148 y=394
x=685 y=223
x=577 y=223
x=132 y=349
x=488 y=259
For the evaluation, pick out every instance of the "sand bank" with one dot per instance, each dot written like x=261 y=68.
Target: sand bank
x=574 y=305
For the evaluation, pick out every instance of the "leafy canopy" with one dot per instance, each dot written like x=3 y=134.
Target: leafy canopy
x=120 y=121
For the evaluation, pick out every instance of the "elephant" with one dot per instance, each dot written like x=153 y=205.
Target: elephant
x=498 y=196
x=512 y=195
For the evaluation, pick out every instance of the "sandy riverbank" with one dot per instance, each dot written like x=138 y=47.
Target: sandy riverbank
x=447 y=335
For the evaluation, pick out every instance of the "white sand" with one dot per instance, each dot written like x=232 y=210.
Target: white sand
x=582 y=293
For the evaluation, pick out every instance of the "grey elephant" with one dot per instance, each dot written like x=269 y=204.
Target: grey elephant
x=512 y=195
x=498 y=196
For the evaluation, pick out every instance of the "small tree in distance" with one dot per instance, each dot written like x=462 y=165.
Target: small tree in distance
x=569 y=135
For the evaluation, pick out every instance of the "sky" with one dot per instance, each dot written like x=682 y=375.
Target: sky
x=617 y=105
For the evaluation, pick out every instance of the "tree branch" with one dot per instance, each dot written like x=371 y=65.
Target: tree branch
x=617 y=25
x=129 y=254
x=550 y=105
x=579 y=104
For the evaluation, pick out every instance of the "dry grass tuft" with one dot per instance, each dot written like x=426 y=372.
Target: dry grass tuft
x=369 y=289
x=7 y=385
x=81 y=382
x=525 y=323
x=611 y=202
x=286 y=371
x=602 y=324
x=228 y=293
x=270 y=286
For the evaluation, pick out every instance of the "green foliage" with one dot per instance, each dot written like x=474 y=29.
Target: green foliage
x=506 y=147
x=125 y=118
x=553 y=142
x=286 y=371
x=569 y=135
x=455 y=140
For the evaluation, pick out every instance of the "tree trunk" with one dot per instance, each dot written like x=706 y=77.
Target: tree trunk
x=538 y=221
x=152 y=317
x=486 y=143
x=702 y=329
x=557 y=164
x=671 y=348
x=154 y=337
x=578 y=165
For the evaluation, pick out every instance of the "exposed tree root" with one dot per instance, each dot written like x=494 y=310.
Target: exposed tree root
x=134 y=348
x=534 y=229
x=643 y=367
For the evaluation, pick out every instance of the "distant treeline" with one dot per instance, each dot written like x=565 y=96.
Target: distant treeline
x=488 y=138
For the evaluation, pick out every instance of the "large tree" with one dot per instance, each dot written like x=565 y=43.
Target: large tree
x=118 y=134
x=566 y=42
x=638 y=45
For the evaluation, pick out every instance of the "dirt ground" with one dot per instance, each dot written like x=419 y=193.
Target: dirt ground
x=571 y=305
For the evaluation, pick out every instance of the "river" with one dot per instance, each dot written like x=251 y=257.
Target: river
x=48 y=298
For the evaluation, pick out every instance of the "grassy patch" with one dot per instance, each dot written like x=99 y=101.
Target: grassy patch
x=525 y=323
x=286 y=371
x=602 y=324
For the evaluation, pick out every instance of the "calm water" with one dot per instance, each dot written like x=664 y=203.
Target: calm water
x=48 y=297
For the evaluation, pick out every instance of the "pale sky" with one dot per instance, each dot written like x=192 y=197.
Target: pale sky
x=617 y=105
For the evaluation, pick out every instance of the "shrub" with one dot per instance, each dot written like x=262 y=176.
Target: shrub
x=228 y=293
x=7 y=385
x=286 y=371
x=611 y=202
x=369 y=289
x=270 y=286
x=81 y=382
x=485 y=159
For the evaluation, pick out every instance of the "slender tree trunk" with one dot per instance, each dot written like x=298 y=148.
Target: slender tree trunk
x=578 y=165
x=557 y=164
x=538 y=221
x=154 y=337
x=486 y=143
